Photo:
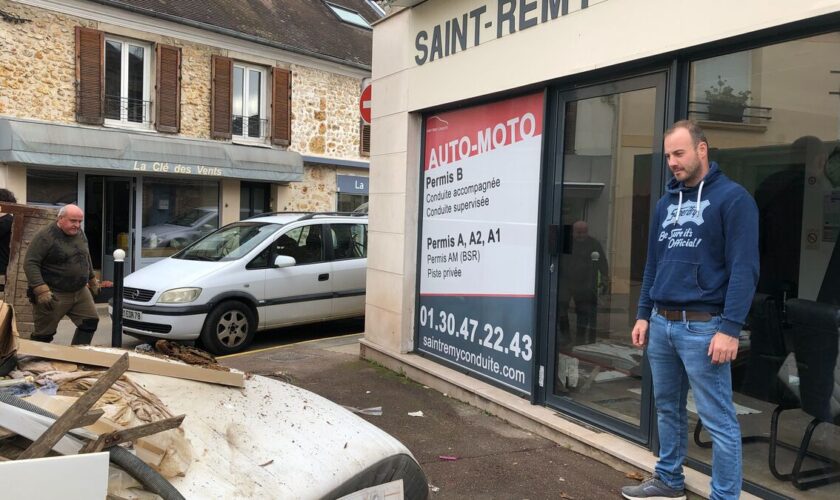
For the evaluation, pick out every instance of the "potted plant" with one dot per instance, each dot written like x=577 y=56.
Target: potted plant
x=724 y=103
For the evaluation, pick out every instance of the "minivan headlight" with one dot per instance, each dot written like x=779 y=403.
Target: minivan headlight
x=179 y=295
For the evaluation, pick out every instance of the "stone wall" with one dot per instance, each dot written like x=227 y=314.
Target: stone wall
x=325 y=113
x=37 y=81
x=37 y=64
x=316 y=193
x=195 y=90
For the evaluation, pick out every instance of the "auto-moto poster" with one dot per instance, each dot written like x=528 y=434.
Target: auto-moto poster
x=481 y=175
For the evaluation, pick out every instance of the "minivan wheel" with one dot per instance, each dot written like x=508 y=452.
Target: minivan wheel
x=229 y=328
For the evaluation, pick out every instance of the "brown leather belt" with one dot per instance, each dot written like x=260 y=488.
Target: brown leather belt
x=676 y=315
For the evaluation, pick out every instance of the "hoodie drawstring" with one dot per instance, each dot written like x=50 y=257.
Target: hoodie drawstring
x=699 y=193
x=679 y=204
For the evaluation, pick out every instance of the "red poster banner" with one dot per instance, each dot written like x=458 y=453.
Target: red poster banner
x=455 y=135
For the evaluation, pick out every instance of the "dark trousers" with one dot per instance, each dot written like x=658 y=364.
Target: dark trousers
x=586 y=313
x=78 y=306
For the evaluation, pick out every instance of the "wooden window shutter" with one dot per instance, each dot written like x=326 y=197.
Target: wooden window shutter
x=364 y=142
x=281 y=107
x=220 y=105
x=90 y=76
x=168 y=88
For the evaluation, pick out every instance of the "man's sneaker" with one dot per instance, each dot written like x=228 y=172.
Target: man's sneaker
x=652 y=489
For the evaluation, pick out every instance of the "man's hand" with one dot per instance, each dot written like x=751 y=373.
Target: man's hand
x=640 y=331
x=723 y=348
x=44 y=296
x=95 y=286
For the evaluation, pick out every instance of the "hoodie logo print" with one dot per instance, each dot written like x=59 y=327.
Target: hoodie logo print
x=688 y=213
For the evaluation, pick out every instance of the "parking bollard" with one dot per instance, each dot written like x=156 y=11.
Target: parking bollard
x=117 y=309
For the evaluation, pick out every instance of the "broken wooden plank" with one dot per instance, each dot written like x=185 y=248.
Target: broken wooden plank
x=123 y=436
x=70 y=418
x=136 y=363
x=90 y=417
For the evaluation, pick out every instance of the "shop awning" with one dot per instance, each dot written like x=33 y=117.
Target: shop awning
x=53 y=145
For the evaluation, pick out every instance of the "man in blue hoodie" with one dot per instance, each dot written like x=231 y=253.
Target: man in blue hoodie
x=700 y=276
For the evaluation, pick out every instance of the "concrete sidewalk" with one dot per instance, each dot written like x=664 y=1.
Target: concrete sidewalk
x=488 y=457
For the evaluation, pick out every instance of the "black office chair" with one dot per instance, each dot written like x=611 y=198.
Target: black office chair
x=815 y=337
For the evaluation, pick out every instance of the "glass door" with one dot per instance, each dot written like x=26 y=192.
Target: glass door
x=108 y=221
x=606 y=176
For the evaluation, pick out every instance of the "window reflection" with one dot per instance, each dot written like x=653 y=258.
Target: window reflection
x=787 y=156
x=51 y=189
x=176 y=213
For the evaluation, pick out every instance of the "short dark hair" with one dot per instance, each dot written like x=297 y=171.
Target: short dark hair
x=697 y=134
x=7 y=196
x=806 y=149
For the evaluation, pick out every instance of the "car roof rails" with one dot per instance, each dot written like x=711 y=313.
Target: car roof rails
x=312 y=215
x=269 y=214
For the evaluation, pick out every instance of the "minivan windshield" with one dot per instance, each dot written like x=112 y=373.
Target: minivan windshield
x=229 y=243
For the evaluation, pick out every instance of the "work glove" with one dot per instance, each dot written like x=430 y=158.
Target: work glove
x=44 y=296
x=94 y=286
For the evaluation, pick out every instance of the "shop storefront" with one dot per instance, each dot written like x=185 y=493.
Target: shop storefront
x=145 y=194
x=351 y=192
x=537 y=128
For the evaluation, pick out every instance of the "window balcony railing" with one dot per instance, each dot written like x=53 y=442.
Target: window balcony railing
x=127 y=110
x=753 y=115
x=251 y=127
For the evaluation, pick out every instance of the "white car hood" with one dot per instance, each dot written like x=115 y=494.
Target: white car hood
x=172 y=273
x=267 y=440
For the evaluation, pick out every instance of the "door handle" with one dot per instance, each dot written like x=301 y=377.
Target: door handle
x=323 y=277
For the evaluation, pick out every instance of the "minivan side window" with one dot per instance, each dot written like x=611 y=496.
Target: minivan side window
x=349 y=241
x=260 y=261
x=303 y=243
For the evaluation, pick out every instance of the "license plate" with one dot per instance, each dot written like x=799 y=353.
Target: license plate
x=135 y=315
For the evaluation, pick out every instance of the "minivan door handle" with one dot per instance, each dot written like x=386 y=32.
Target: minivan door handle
x=323 y=277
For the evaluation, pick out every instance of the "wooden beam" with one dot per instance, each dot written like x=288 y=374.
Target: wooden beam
x=136 y=363
x=90 y=417
x=114 y=438
x=70 y=418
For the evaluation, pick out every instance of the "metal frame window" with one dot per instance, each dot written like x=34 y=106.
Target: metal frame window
x=128 y=71
x=349 y=16
x=249 y=102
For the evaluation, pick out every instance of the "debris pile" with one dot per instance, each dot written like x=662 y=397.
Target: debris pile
x=62 y=401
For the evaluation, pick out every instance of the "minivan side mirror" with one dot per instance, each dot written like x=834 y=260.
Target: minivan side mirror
x=284 y=261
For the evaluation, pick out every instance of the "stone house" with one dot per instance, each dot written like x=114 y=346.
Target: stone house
x=164 y=120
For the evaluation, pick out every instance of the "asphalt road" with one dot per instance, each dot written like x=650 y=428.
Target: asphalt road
x=262 y=340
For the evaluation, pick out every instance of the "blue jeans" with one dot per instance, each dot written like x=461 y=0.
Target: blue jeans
x=677 y=351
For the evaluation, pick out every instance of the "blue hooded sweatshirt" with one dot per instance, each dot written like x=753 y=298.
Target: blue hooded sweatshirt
x=705 y=258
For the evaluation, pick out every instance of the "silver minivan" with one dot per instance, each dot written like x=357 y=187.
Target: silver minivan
x=265 y=272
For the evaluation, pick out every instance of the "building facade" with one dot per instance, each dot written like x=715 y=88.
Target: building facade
x=516 y=161
x=165 y=120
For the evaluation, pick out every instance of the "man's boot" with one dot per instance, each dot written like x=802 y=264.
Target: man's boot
x=43 y=338
x=84 y=332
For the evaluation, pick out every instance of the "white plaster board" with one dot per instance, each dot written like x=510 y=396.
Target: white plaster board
x=73 y=477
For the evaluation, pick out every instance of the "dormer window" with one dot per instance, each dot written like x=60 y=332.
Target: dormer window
x=127 y=86
x=348 y=16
